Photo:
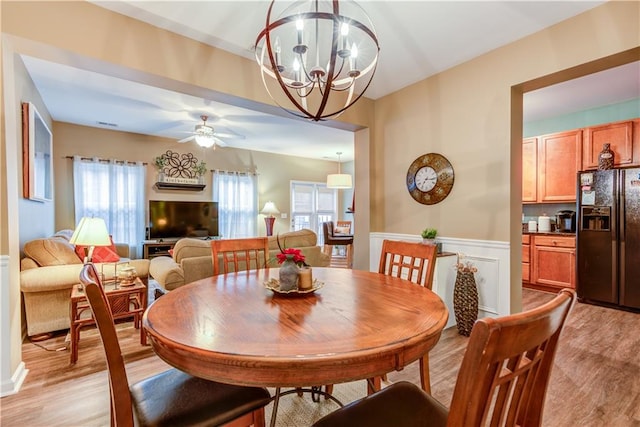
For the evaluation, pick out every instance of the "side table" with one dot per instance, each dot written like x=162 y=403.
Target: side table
x=125 y=301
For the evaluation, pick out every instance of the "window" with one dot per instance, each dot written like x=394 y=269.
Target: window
x=113 y=191
x=312 y=203
x=237 y=197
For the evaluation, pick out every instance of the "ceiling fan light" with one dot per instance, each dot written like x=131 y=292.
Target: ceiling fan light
x=205 y=141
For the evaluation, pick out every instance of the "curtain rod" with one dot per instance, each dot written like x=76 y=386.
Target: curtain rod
x=107 y=160
x=236 y=172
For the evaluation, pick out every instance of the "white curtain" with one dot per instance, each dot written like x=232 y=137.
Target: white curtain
x=114 y=191
x=237 y=197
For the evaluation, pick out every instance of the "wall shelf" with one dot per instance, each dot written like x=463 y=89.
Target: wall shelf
x=177 y=186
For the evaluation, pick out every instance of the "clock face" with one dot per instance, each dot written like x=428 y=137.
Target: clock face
x=430 y=178
x=426 y=178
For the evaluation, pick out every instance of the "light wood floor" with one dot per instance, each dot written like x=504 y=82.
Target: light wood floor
x=595 y=381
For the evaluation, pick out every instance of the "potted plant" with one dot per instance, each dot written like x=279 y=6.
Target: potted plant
x=160 y=162
x=429 y=238
x=200 y=170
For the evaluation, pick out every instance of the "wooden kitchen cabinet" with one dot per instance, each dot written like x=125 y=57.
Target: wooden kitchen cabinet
x=559 y=160
x=526 y=266
x=620 y=136
x=554 y=261
x=529 y=169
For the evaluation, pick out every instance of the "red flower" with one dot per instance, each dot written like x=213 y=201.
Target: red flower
x=296 y=254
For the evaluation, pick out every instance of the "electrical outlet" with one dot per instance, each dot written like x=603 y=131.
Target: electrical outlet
x=283 y=215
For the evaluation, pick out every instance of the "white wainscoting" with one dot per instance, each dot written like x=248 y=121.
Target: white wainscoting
x=10 y=382
x=491 y=258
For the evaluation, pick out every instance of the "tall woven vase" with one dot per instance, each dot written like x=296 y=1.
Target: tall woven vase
x=465 y=302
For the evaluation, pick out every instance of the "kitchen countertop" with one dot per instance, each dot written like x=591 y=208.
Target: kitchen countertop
x=549 y=233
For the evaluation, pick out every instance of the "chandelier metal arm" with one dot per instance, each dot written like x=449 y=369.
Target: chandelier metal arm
x=315 y=74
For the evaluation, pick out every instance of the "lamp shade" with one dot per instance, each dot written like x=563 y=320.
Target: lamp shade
x=339 y=181
x=270 y=209
x=91 y=232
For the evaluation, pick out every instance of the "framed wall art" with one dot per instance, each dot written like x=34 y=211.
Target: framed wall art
x=37 y=160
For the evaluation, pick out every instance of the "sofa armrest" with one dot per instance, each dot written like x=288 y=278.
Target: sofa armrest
x=122 y=249
x=166 y=272
x=50 y=278
x=196 y=268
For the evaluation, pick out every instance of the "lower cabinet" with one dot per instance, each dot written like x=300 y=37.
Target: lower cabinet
x=554 y=261
x=526 y=257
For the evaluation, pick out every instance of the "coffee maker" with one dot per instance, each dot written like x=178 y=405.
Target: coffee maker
x=566 y=221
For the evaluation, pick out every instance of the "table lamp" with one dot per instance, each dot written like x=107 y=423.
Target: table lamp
x=269 y=210
x=91 y=232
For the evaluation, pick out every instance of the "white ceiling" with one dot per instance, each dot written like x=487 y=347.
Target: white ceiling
x=417 y=39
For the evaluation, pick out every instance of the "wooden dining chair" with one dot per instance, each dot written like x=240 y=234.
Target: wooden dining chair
x=415 y=262
x=172 y=397
x=502 y=381
x=239 y=254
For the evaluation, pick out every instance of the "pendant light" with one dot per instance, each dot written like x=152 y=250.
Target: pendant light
x=339 y=180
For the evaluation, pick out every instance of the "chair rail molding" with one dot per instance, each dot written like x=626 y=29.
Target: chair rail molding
x=10 y=382
x=490 y=257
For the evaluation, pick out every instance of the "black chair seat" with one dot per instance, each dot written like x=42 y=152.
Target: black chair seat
x=175 y=398
x=401 y=403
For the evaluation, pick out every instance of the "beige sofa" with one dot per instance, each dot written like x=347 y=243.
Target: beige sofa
x=191 y=259
x=49 y=270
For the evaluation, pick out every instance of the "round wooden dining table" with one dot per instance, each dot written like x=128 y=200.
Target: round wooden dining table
x=230 y=328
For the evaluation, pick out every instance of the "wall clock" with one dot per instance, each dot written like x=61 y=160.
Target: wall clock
x=430 y=178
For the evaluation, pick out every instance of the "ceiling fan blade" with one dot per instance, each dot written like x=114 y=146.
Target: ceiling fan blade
x=221 y=143
x=187 y=139
x=228 y=135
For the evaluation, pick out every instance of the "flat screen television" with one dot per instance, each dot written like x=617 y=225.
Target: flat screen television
x=172 y=219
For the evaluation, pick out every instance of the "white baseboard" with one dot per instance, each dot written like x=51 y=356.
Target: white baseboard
x=12 y=386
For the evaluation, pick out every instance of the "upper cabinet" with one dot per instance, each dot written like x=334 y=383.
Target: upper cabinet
x=550 y=163
x=559 y=160
x=529 y=169
x=620 y=136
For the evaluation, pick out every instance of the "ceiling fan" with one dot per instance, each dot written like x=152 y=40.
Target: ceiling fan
x=206 y=136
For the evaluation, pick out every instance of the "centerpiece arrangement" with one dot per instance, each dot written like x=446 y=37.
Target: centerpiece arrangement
x=294 y=275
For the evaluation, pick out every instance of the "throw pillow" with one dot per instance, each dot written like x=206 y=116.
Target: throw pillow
x=100 y=253
x=341 y=230
x=51 y=251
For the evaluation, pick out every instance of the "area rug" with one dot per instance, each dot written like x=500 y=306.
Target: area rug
x=298 y=411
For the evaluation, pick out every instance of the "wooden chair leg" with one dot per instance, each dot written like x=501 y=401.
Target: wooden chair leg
x=349 y=256
x=328 y=249
x=425 y=379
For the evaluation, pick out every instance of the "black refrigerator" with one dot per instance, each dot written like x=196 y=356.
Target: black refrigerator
x=608 y=237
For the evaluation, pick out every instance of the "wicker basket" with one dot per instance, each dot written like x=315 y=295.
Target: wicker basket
x=465 y=302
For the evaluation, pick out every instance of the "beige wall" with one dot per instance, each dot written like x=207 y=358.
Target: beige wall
x=274 y=171
x=465 y=113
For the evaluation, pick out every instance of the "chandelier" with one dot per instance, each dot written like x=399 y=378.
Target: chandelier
x=318 y=57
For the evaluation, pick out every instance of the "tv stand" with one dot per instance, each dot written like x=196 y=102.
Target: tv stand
x=159 y=248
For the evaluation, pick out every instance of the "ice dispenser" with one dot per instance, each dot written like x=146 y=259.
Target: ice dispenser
x=596 y=218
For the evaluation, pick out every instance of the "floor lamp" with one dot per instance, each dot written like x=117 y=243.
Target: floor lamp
x=270 y=210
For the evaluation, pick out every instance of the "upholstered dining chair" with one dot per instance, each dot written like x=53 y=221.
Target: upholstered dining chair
x=170 y=398
x=239 y=254
x=331 y=240
x=502 y=381
x=415 y=262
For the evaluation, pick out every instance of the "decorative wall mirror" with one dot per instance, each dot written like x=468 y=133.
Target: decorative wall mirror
x=37 y=161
